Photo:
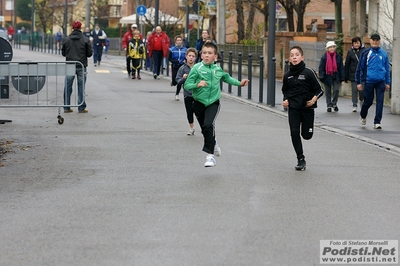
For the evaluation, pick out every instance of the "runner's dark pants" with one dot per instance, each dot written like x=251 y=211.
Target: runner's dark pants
x=128 y=64
x=206 y=117
x=157 y=62
x=189 y=108
x=174 y=73
x=369 y=89
x=301 y=121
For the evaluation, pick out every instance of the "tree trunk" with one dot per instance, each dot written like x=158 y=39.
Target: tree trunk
x=289 y=6
x=338 y=18
x=300 y=8
x=290 y=18
x=250 y=22
x=240 y=20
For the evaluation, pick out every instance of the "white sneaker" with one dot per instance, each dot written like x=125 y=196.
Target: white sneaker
x=217 y=149
x=363 y=121
x=377 y=126
x=177 y=97
x=210 y=161
x=190 y=132
x=354 y=109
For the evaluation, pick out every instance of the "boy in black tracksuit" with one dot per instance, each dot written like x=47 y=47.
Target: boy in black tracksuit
x=301 y=90
x=183 y=72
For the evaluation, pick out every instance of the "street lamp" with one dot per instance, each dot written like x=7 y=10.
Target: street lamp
x=65 y=17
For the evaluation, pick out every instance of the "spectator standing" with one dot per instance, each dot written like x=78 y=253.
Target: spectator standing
x=59 y=36
x=204 y=81
x=76 y=47
x=137 y=52
x=301 y=90
x=350 y=68
x=331 y=73
x=373 y=74
x=158 y=45
x=181 y=76
x=177 y=56
x=88 y=33
x=99 y=37
x=148 y=59
x=205 y=36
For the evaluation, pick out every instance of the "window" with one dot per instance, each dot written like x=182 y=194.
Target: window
x=330 y=25
x=9 y=5
x=281 y=24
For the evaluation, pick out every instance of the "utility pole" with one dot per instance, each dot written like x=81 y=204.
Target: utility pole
x=221 y=10
x=271 y=53
x=65 y=33
x=137 y=16
x=395 y=100
x=156 y=9
x=87 y=14
x=187 y=22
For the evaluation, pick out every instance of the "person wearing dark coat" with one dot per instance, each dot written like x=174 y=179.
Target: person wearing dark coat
x=76 y=47
x=331 y=74
x=350 y=68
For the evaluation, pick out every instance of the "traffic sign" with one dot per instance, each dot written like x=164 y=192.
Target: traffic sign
x=141 y=10
x=197 y=6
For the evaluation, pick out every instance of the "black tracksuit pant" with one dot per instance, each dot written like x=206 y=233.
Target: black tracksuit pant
x=206 y=117
x=301 y=121
x=189 y=108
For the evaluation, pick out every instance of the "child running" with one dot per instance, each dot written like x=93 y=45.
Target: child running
x=183 y=71
x=204 y=82
x=137 y=52
x=301 y=90
x=176 y=56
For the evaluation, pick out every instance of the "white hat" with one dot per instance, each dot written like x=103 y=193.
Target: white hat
x=134 y=26
x=330 y=43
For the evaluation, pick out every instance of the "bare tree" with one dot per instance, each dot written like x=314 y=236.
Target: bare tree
x=338 y=17
x=263 y=8
x=44 y=14
x=252 y=11
x=386 y=20
x=300 y=7
x=240 y=19
x=289 y=8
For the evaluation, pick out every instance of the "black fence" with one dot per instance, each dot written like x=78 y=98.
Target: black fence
x=45 y=43
x=242 y=64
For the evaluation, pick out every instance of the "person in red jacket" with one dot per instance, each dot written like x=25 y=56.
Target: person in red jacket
x=125 y=40
x=10 y=33
x=158 y=46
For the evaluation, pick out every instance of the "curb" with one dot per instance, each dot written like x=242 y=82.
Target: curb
x=379 y=144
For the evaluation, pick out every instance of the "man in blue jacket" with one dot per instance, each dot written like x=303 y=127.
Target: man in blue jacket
x=373 y=74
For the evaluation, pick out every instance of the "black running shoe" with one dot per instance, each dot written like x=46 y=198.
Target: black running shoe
x=301 y=165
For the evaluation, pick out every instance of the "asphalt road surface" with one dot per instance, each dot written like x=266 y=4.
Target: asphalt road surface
x=124 y=184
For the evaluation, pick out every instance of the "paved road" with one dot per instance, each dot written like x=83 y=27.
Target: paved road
x=124 y=185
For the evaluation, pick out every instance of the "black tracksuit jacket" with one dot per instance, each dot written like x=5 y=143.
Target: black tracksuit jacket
x=300 y=84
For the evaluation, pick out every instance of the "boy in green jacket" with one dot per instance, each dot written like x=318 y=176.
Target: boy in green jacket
x=203 y=81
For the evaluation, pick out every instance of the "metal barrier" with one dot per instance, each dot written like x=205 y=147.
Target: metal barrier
x=39 y=84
